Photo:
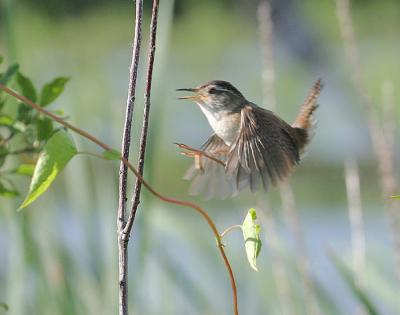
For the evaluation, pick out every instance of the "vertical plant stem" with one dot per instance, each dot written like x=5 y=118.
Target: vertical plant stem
x=278 y=262
x=146 y=116
x=123 y=173
x=380 y=137
x=293 y=222
x=287 y=196
x=355 y=218
x=266 y=32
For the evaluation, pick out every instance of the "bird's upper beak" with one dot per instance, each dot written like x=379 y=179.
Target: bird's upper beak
x=191 y=97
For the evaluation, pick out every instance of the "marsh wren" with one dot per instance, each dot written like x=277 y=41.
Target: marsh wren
x=250 y=144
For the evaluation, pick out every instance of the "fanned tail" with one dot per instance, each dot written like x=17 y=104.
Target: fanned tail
x=304 y=121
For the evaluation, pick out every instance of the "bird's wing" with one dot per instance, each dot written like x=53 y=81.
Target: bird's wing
x=211 y=179
x=265 y=148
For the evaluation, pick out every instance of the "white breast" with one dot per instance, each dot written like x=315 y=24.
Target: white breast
x=226 y=126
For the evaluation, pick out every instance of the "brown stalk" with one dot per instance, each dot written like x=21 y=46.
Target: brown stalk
x=123 y=172
x=106 y=147
x=146 y=116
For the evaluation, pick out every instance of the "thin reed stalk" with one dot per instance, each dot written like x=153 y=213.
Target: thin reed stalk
x=286 y=192
x=355 y=217
x=267 y=219
x=380 y=136
x=285 y=294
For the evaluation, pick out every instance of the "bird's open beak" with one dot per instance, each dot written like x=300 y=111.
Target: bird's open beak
x=190 y=97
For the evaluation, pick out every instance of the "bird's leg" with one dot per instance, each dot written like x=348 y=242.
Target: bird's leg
x=197 y=154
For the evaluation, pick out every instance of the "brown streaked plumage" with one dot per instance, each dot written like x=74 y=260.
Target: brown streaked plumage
x=254 y=146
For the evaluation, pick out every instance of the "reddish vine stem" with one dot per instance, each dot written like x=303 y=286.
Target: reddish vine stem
x=106 y=147
x=123 y=172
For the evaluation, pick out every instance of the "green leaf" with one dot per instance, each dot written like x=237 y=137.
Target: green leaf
x=1 y=59
x=112 y=155
x=24 y=113
x=396 y=197
x=358 y=291
x=52 y=90
x=251 y=234
x=44 y=128
x=6 y=121
x=55 y=155
x=25 y=169
x=8 y=192
x=27 y=88
x=15 y=125
x=9 y=74
x=3 y=305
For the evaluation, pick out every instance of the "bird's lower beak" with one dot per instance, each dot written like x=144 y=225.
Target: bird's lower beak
x=190 y=97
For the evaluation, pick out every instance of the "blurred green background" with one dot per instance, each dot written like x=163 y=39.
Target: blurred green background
x=59 y=256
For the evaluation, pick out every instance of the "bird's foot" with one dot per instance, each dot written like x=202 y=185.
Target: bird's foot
x=197 y=154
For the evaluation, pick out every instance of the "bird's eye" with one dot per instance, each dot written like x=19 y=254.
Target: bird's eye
x=212 y=91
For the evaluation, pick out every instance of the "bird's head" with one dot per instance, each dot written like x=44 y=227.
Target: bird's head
x=216 y=96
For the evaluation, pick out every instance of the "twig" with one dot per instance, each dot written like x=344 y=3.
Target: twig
x=126 y=139
x=146 y=116
x=355 y=218
x=106 y=147
x=123 y=172
x=380 y=139
x=227 y=230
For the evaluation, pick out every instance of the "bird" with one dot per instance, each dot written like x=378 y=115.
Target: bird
x=251 y=147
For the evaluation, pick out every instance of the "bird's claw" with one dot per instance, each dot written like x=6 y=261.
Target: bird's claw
x=196 y=154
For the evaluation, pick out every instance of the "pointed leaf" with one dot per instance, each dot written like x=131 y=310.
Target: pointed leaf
x=6 y=121
x=112 y=155
x=24 y=113
x=52 y=90
x=396 y=197
x=358 y=291
x=44 y=128
x=56 y=153
x=27 y=88
x=251 y=234
x=8 y=75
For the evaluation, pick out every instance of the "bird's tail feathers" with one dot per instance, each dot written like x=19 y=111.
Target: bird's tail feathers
x=304 y=123
x=304 y=119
